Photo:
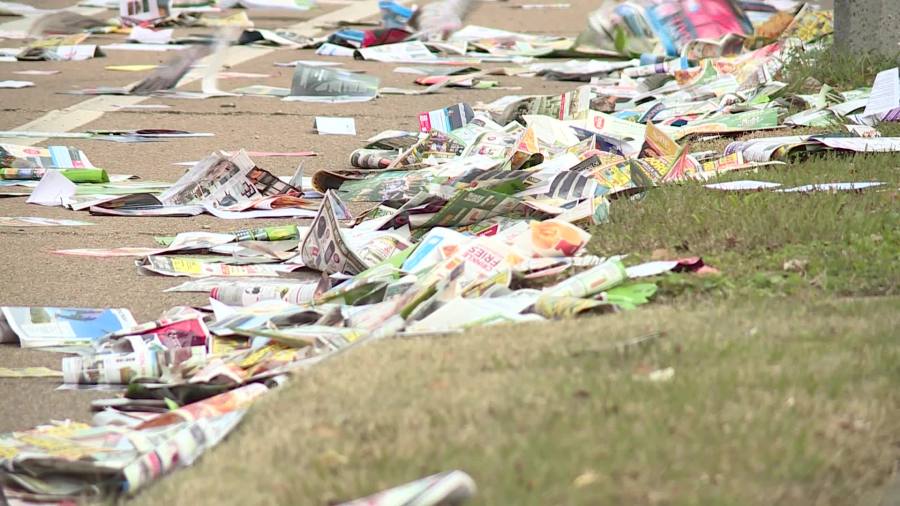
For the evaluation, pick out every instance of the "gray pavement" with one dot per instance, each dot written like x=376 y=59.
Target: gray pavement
x=33 y=275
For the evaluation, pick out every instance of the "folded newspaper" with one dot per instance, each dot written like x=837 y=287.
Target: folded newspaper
x=55 y=327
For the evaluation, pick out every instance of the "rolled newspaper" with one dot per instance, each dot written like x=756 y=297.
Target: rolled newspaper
x=245 y=296
x=110 y=369
x=372 y=158
x=666 y=67
x=278 y=233
x=449 y=488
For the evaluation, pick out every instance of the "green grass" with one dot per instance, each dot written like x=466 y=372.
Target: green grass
x=849 y=242
x=835 y=68
x=787 y=368
x=786 y=386
x=772 y=402
x=889 y=129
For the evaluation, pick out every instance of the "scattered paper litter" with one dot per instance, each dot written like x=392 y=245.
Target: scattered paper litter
x=742 y=185
x=885 y=96
x=242 y=75
x=749 y=185
x=35 y=327
x=36 y=72
x=450 y=488
x=16 y=84
x=327 y=85
x=403 y=52
x=661 y=375
x=54 y=189
x=309 y=63
x=153 y=48
x=260 y=90
x=648 y=269
x=131 y=68
x=147 y=10
x=261 y=154
x=478 y=216
x=335 y=126
x=288 y=5
x=541 y=6
x=33 y=221
x=329 y=49
x=148 y=36
x=832 y=187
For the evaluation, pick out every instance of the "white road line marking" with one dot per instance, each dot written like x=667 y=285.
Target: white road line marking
x=92 y=109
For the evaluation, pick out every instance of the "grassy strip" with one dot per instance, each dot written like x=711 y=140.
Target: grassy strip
x=830 y=66
x=770 y=243
x=785 y=386
x=771 y=402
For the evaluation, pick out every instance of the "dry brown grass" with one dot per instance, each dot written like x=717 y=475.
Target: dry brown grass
x=773 y=402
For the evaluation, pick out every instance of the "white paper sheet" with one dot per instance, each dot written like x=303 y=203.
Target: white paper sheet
x=9 y=84
x=36 y=72
x=832 y=187
x=142 y=10
x=459 y=313
x=650 y=268
x=885 y=93
x=292 y=5
x=54 y=189
x=156 y=48
x=862 y=144
x=329 y=49
x=403 y=52
x=335 y=126
x=148 y=36
x=742 y=185
x=309 y=63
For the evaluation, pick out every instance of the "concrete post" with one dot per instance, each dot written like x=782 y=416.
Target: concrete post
x=867 y=25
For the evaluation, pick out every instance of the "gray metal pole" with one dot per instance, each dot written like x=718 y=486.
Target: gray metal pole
x=867 y=25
